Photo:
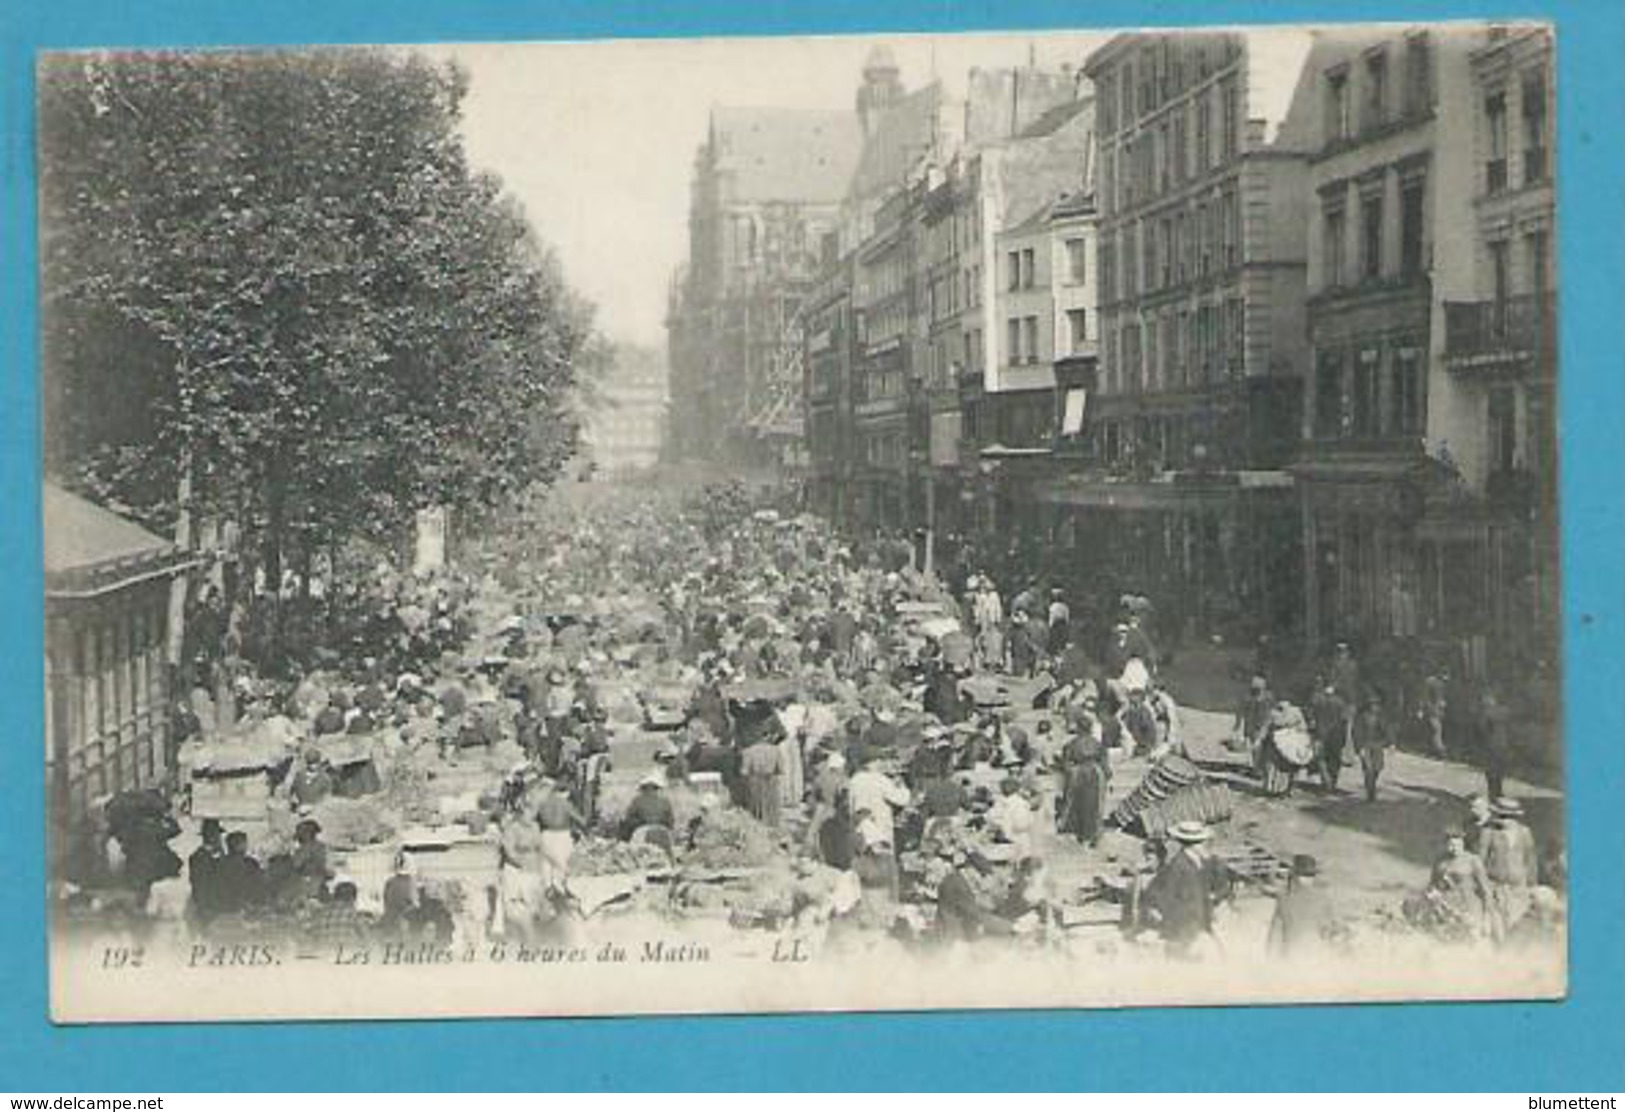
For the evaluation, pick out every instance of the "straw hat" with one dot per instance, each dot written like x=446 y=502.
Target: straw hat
x=1507 y=808
x=1190 y=832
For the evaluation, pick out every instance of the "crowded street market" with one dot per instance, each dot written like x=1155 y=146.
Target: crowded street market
x=702 y=707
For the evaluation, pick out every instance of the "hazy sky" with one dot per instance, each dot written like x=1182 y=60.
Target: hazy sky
x=598 y=139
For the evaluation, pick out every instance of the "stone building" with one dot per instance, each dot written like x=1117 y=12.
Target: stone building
x=828 y=327
x=1201 y=271
x=767 y=191
x=1428 y=507
x=935 y=180
x=626 y=423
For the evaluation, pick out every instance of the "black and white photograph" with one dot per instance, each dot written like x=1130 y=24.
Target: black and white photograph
x=804 y=523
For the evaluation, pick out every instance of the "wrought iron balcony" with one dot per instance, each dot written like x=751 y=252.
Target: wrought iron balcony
x=1495 y=333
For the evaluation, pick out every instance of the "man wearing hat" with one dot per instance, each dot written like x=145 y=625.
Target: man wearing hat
x=202 y=871
x=558 y=708
x=960 y=915
x=337 y=922
x=1510 y=861
x=313 y=782
x=1060 y=622
x=309 y=859
x=1345 y=673
x=1372 y=735
x=1181 y=898
x=1303 y=913
x=1331 y=720
x=1252 y=719
x=649 y=807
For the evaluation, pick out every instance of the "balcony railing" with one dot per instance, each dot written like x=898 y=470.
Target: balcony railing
x=1510 y=328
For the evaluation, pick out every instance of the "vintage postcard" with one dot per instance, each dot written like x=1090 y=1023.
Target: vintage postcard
x=825 y=523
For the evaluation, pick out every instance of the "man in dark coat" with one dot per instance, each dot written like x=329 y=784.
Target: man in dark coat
x=943 y=696
x=1494 y=751
x=239 y=879
x=1372 y=735
x=1182 y=896
x=202 y=871
x=960 y=915
x=650 y=807
x=1331 y=725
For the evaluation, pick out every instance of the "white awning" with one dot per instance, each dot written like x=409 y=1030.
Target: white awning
x=1072 y=418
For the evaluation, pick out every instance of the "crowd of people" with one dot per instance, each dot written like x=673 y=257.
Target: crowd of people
x=934 y=754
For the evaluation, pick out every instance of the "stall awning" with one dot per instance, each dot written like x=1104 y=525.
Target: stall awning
x=1164 y=494
x=91 y=551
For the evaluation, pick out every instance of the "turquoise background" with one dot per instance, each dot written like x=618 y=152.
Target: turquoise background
x=1573 y=1046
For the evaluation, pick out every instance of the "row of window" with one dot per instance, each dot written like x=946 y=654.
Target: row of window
x=1177 y=348
x=1370 y=392
x=884 y=449
x=1021 y=266
x=1370 y=248
x=1159 y=443
x=884 y=323
x=1536 y=168
x=1021 y=337
x=1023 y=422
x=1186 y=143
x=1021 y=341
x=879 y=385
x=953 y=292
x=1368 y=84
x=1190 y=243
x=1162 y=71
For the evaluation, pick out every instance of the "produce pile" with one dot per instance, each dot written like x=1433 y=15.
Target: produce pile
x=596 y=856
x=731 y=839
x=349 y=823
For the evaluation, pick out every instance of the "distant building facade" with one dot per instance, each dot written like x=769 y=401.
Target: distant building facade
x=766 y=191
x=626 y=426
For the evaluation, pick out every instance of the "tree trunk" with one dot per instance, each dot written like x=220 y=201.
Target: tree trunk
x=183 y=541
x=271 y=559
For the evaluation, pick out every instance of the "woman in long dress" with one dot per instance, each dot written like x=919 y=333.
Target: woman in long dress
x=1083 y=796
x=761 y=767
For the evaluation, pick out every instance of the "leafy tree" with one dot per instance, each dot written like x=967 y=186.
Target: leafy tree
x=272 y=282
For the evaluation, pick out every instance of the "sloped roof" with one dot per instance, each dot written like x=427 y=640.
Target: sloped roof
x=902 y=134
x=786 y=154
x=1033 y=221
x=1079 y=203
x=88 y=547
x=1055 y=119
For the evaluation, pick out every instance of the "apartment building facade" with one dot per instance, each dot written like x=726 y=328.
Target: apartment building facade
x=1428 y=508
x=1201 y=272
x=1500 y=347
